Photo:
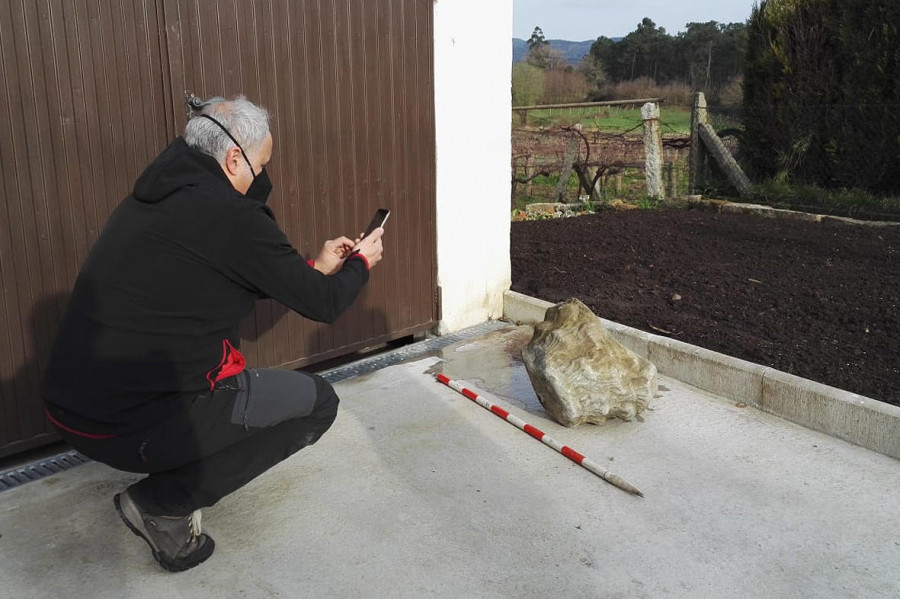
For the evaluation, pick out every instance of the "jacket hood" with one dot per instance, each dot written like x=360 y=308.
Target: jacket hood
x=178 y=166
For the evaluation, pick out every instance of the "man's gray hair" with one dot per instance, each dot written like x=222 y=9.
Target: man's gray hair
x=247 y=122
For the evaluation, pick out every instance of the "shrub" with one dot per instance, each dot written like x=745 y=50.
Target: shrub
x=820 y=90
x=642 y=87
x=676 y=93
x=527 y=84
x=563 y=86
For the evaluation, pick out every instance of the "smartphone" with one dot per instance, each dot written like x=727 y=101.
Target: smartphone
x=381 y=217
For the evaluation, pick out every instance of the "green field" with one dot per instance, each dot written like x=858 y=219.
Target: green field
x=615 y=119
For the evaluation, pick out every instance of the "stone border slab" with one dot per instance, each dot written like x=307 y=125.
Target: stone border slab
x=769 y=212
x=860 y=420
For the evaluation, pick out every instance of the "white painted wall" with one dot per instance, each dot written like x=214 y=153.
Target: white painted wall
x=473 y=102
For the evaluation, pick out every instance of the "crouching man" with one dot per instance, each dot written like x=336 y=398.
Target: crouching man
x=146 y=373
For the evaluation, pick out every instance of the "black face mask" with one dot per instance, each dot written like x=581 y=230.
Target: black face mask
x=261 y=186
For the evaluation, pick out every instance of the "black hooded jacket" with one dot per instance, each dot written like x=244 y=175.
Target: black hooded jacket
x=153 y=318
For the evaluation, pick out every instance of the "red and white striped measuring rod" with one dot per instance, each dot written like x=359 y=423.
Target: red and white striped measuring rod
x=541 y=436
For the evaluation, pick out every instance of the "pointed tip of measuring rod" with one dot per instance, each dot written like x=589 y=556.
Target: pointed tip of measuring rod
x=630 y=489
x=618 y=482
x=626 y=487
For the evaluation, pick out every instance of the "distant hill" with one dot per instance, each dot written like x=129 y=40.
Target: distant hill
x=573 y=51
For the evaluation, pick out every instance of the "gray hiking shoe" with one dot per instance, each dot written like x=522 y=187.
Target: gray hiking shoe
x=176 y=542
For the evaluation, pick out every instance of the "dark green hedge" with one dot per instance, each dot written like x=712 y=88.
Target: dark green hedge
x=822 y=92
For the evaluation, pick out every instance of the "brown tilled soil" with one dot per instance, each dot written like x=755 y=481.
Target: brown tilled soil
x=819 y=300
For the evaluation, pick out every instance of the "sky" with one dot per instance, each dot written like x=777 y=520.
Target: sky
x=579 y=20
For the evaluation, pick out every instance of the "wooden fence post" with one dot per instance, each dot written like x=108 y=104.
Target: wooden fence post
x=653 y=151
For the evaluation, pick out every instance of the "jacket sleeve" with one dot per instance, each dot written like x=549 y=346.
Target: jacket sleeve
x=260 y=257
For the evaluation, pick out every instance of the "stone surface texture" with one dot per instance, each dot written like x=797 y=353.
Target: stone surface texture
x=653 y=150
x=580 y=373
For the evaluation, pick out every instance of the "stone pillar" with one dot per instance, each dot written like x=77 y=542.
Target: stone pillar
x=699 y=117
x=566 y=170
x=653 y=151
x=725 y=160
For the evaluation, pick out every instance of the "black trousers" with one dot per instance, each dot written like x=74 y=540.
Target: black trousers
x=220 y=440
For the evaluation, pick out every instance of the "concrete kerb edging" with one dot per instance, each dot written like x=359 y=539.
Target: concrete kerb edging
x=769 y=212
x=866 y=422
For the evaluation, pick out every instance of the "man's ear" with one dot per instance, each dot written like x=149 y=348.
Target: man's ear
x=233 y=161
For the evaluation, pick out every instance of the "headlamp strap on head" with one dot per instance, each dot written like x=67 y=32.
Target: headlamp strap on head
x=228 y=133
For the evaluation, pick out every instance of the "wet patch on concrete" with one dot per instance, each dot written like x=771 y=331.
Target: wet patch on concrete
x=493 y=364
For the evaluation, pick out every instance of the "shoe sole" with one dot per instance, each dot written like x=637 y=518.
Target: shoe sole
x=170 y=566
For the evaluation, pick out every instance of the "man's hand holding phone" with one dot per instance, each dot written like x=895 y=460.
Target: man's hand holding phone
x=369 y=242
x=370 y=246
x=336 y=251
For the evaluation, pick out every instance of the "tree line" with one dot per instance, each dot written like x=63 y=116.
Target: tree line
x=705 y=57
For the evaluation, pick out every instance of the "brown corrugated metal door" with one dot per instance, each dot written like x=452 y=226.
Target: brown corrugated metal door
x=92 y=91
x=80 y=117
x=350 y=87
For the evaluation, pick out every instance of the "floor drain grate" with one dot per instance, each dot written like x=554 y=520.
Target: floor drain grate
x=42 y=469
x=408 y=352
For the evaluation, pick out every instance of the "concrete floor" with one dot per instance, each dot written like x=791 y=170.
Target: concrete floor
x=418 y=492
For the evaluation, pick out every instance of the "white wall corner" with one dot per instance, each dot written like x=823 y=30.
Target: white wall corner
x=473 y=108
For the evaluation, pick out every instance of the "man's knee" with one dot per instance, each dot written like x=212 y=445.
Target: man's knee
x=308 y=430
x=269 y=397
x=326 y=398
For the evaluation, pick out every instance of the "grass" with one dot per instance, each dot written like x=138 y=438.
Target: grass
x=648 y=203
x=630 y=187
x=614 y=119
x=854 y=203
x=544 y=190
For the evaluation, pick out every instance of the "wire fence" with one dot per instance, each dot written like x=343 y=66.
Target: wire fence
x=596 y=153
x=575 y=154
